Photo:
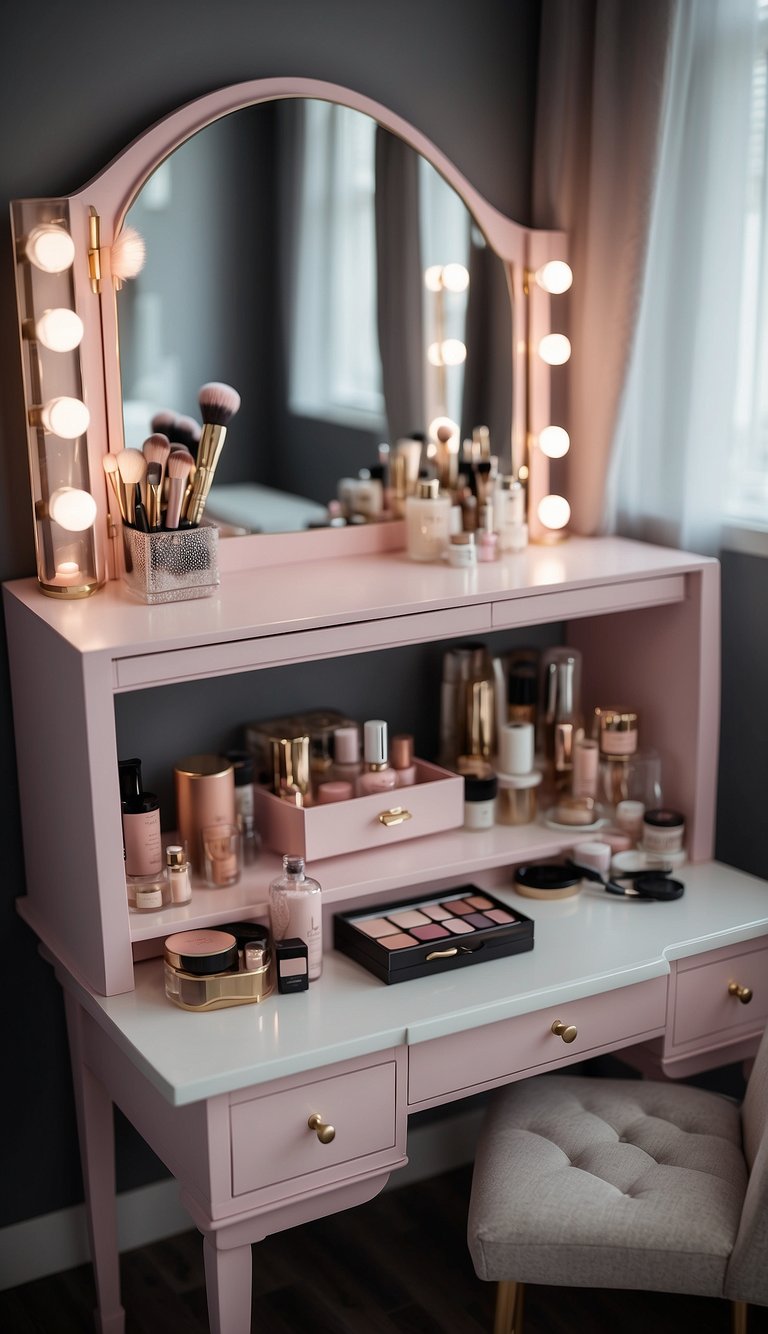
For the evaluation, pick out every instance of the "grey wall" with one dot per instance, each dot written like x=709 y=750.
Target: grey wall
x=77 y=82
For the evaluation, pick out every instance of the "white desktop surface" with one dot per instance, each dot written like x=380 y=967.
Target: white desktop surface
x=584 y=946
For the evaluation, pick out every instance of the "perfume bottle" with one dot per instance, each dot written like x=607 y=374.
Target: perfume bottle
x=295 y=911
x=377 y=775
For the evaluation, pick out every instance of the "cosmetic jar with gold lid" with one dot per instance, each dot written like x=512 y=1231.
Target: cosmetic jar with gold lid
x=618 y=732
x=211 y=970
x=461 y=550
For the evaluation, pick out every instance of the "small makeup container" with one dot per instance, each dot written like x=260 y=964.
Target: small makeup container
x=462 y=551
x=663 y=832
x=291 y=965
x=629 y=818
x=209 y=970
x=480 y=801
x=401 y=755
x=222 y=854
x=586 y=765
x=547 y=880
x=334 y=790
x=347 y=763
x=377 y=775
x=177 y=874
x=487 y=539
x=595 y=856
x=618 y=743
x=576 y=812
x=518 y=781
x=512 y=528
x=147 y=893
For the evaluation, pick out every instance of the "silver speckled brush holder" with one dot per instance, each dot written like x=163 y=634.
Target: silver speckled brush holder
x=172 y=566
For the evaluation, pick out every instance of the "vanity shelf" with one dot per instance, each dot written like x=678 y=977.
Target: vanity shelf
x=645 y=619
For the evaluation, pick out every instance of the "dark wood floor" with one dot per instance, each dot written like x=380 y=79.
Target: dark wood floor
x=398 y=1265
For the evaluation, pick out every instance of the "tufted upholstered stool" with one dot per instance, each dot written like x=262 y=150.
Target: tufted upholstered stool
x=623 y=1183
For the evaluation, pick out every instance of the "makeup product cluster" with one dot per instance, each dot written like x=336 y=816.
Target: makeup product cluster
x=456 y=503
x=516 y=745
x=516 y=727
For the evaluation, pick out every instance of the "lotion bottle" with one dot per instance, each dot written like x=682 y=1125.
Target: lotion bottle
x=295 y=911
x=377 y=775
x=427 y=522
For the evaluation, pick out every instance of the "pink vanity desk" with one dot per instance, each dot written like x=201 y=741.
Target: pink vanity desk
x=225 y=1098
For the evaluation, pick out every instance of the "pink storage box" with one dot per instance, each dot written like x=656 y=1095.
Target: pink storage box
x=433 y=803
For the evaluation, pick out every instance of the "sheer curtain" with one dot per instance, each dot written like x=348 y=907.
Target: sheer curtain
x=642 y=135
x=675 y=436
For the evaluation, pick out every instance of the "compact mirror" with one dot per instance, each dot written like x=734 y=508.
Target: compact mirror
x=310 y=257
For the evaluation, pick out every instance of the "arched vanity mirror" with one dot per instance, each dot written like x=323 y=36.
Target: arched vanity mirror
x=298 y=237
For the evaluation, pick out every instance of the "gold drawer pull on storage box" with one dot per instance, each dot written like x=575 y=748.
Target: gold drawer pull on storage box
x=744 y=994
x=397 y=815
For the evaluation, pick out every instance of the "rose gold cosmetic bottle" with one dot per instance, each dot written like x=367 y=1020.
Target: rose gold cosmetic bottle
x=377 y=775
x=205 y=795
x=402 y=760
x=291 y=768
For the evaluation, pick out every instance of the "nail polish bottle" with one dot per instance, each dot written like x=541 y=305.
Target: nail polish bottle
x=177 y=874
x=347 y=764
x=377 y=776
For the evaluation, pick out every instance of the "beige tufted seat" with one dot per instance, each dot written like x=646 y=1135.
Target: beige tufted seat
x=622 y=1184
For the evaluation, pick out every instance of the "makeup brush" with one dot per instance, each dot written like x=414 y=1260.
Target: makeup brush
x=156 y=449
x=218 y=404
x=187 y=432
x=133 y=471
x=116 y=482
x=154 y=492
x=128 y=254
x=164 y=422
x=180 y=464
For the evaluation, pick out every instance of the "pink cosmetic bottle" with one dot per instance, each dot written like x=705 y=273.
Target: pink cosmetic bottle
x=402 y=759
x=377 y=775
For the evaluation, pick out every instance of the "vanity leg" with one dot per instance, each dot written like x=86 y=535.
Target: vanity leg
x=96 y=1133
x=228 y=1285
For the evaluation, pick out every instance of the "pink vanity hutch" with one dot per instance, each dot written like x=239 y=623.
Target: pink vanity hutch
x=225 y=1098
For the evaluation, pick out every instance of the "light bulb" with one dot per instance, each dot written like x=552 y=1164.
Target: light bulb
x=435 y=354
x=65 y=417
x=72 y=509
x=554 y=441
x=554 y=511
x=433 y=278
x=554 y=277
x=448 y=429
x=455 y=277
x=555 y=349
x=59 y=330
x=454 y=351
x=50 y=248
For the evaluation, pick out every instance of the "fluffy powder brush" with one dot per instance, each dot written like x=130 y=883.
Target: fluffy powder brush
x=218 y=405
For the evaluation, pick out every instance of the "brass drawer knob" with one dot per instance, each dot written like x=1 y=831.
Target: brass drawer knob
x=324 y=1132
x=397 y=815
x=565 y=1031
x=744 y=994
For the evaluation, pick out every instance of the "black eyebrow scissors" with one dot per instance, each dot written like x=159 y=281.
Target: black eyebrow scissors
x=649 y=884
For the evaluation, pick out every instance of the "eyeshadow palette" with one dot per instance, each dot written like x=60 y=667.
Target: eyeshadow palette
x=432 y=934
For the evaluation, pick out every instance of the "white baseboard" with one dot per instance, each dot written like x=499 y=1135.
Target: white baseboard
x=57 y=1241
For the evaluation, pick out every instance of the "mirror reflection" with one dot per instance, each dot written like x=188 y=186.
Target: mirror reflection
x=301 y=253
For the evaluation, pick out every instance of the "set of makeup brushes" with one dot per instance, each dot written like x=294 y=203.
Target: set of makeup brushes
x=165 y=484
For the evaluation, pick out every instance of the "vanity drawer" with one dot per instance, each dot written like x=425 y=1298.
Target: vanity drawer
x=704 y=1008
x=465 y=1062
x=271 y=1141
